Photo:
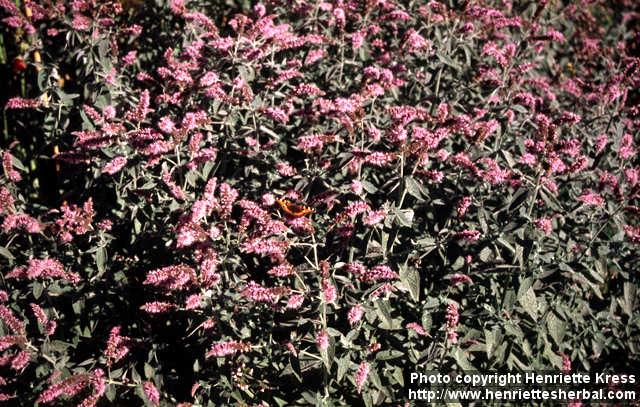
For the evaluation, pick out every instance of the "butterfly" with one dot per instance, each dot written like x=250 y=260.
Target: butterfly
x=293 y=209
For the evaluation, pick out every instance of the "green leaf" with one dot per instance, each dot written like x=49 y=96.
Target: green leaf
x=369 y=187
x=413 y=188
x=101 y=255
x=88 y=124
x=458 y=264
x=343 y=366
x=556 y=328
x=461 y=359
x=410 y=277
x=4 y=252
x=111 y=392
x=37 y=289
x=404 y=217
x=59 y=346
x=509 y=300
x=18 y=164
x=529 y=302
x=490 y=342
x=554 y=358
x=148 y=371
x=78 y=306
x=482 y=219
x=630 y=298
x=518 y=199
x=294 y=362
x=280 y=402
x=486 y=255
x=448 y=61
x=135 y=376
x=426 y=241
x=311 y=398
x=524 y=286
x=397 y=376
x=328 y=354
x=427 y=321
x=384 y=313
x=389 y=354
x=375 y=378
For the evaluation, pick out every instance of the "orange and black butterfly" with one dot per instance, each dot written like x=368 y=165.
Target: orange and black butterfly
x=295 y=210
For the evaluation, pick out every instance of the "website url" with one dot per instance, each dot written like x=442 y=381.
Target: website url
x=429 y=395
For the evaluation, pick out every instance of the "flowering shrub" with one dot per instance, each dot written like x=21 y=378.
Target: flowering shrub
x=303 y=202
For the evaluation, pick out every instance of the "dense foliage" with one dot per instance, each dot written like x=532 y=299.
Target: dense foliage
x=302 y=202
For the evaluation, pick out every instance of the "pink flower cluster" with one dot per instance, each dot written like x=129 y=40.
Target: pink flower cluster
x=468 y=235
x=157 y=307
x=295 y=301
x=355 y=314
x=459 y=278
x=259 y=293
x=114 y=165
x=463 y=206
x=222 y=349
x=151 y=392
x=452 y=318
x=48 y=325
x=591 y=198
x=21 y=103
x=275 y=249
x=116 y=346
x=322 y=340
x=633 y=233
x=68 y=387
x=329 y=291
x=44 y=268
x=171 y=278
x=377 y=273
x=75 y=220
x=73 y=385
x=21 y=221
x=14 y=324
x=361 y=375
x=417 y=328
x=7 y=163
x=544 y=224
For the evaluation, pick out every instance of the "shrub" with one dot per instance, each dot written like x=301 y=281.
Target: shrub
x=303 y=202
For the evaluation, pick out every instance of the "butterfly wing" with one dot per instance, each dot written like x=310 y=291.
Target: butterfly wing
x=293 y=209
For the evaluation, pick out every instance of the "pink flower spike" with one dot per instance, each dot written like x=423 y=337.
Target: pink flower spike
x=227 y=348
x=544 y=225
x=355 y=314
x=151 y=392
x=295 y=301
x=9 y=171
x=591 y=198
x=417 y=328
x=114 y=165
x=322 y=340
x=20 y=103
x=361 y=375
